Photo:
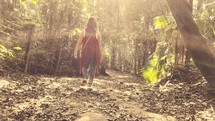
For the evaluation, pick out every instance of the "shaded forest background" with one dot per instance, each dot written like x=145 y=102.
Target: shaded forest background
x=139 y=37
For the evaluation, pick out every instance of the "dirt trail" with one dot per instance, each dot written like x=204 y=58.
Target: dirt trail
x=120 y=97
x=48 y=98
x=124 y=87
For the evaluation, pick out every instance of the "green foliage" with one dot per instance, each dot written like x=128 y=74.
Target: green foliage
x=76 y=31
x=4 y=52
x=160 y=22
x=17 y=48
x=34 y=1
x=107 y=52
x=205 y=18
x=157 y=68
x=150 y=74
x=85 y=5
x=23 y=2
x=164 y=22
x=127 y=38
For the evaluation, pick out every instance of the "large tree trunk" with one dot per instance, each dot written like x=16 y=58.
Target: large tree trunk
x=187 y=55
x=195 y=43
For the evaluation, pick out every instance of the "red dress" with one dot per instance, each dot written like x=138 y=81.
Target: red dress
x=91 y=51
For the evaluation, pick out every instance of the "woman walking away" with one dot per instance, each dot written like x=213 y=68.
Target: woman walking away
x=90 y=49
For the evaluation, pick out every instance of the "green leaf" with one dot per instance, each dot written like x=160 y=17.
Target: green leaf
x=22 y=2
x=160 y=22
x=17 y=48
x=2 y=55
x=163 y=58
x=85 y=5
x=34 y=1
x=107 y=52
x=150 y=75
x=76 y=31
x=3 y=49
x=10 y=53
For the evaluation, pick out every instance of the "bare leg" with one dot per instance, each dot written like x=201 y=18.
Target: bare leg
x=91 y=72
x=85 y=75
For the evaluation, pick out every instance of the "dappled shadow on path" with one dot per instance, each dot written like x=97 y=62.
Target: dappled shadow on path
x=118 y=97
x=184 y=97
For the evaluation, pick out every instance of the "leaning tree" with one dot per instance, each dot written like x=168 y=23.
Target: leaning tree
x=194 y=41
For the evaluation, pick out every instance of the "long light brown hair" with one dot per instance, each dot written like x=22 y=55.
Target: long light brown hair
x=91 y=25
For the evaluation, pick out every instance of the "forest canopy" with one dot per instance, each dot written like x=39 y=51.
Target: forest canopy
x=139 y=37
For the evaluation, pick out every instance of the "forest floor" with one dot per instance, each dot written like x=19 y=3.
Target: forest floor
x=118 y=97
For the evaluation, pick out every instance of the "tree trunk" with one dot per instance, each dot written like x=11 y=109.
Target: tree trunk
x=176 y=52
x=195 y=43
x=145 y=52
x=58 y=62
x=27 y=49
x=135 y=57
x=187 y=55
x=113 y=57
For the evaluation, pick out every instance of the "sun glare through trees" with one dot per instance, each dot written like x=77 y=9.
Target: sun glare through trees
x=112 y=60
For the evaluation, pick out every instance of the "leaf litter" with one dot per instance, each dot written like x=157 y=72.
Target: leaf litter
x=121 y=97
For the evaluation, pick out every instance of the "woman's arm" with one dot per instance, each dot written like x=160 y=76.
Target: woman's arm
x=78 y=44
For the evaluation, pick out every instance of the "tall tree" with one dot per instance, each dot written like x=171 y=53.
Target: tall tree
x=195 y=43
